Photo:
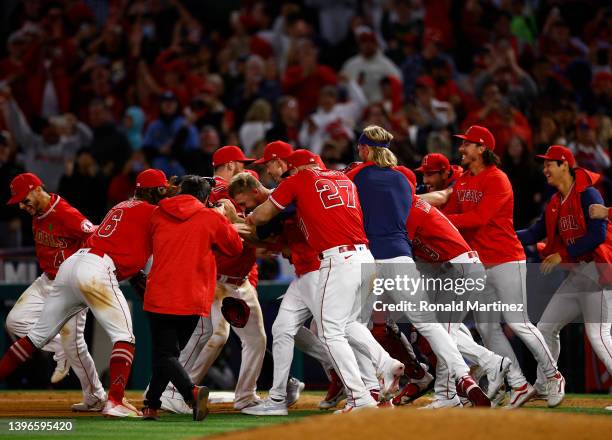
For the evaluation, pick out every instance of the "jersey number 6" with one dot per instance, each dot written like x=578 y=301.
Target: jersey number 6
x=109 y=224
x=336 y=193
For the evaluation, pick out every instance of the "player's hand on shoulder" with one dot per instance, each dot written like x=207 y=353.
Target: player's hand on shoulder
x=244 y=230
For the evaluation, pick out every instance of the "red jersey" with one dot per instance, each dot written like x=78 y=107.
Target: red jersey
x=124 y=235
x=303 y=257
x=481 y=208
x=434 y=238
x=327 y=205
x=244 y=265
x=58 y=233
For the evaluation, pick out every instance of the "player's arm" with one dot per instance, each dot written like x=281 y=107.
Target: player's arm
x=263 y=213
x=279 y=200
x=437 y=198
x=598 y=211
x=493 y=199
x=534 y=233
x=227 y=241
x=596 y=228
x=76 y=225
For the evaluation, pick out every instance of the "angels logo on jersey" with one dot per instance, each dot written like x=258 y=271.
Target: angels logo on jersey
x=87 y=226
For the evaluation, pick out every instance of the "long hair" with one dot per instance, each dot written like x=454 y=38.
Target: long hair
x=490 y=158
x=381 y=156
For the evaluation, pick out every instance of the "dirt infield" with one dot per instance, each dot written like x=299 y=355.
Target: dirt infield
x=456 y=424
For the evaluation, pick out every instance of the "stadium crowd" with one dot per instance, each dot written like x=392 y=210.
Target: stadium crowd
x=94 y=91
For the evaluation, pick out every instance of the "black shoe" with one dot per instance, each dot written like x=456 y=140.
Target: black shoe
x=200 y=403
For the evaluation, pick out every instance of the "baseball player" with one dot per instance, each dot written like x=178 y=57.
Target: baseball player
x=297 y=302
x=117 y=250
x=331 y=220
x=386 y=198
x=575 y=236
x=431 y=246
x=480 y=206
x=438 y=173
x=59 y=230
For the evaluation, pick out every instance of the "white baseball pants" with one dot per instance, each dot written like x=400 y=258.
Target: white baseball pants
x=507 y=282
x=580 y=293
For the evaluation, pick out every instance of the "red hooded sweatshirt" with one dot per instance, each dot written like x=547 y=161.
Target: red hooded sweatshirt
x=184 y=235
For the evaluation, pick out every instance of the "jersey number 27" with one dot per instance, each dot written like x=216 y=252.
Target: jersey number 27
x=336 y=193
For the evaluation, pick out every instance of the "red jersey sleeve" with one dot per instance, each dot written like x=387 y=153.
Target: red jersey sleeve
x=284 y=193
x=76 y=224
x=499 y=190
x=227 y=240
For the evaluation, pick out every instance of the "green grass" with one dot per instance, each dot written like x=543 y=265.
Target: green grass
x=173 y=426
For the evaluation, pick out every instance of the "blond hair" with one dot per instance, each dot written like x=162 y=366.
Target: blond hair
x=243 y=182
x=381 y=156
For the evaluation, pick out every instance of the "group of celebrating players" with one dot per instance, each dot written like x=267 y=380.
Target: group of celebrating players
x=332 y=225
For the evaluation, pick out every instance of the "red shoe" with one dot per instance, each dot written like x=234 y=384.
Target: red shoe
x=467 y=387
x=335 y=392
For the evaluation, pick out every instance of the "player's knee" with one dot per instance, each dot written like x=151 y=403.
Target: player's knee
x=281 y=329
x=547 y=328
x=14 y=325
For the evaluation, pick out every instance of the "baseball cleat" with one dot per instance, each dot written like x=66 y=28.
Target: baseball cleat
x=608 y=408
x=249 y=403
x=149 y=414
x=294 y=389
x=120 y=409
x=267 y=407
x=556 y=390
x=174 y=402
x=455 y=402
x=497 y=375
x=85 y=407
x=414 y=389
x=352 y=408
x=520 y=395
x=335 y=392
x=499 y=398
x=389 y=380
x=61 y=370
x=200 y=403
x=541 y=391
x=467 y=387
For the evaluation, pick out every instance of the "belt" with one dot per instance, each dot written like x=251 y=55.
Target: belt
x=341 y=249
x=234 y=281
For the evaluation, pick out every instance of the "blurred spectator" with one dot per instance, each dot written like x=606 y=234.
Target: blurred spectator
x=162 y=132
x=547 y=133
x=287 y=127
x=369 y=66
x=109 y=147
x=84 y=186
x=258 y=121
x=306 y=79
x=527 y=182
x=199 y=161
x=45 y=153
x=10 y=223
x=122 y=186
x=587 y=150
x=133 y=124
x=556 y=42
x=255 y=86
x=332 y=118
x=500 y=117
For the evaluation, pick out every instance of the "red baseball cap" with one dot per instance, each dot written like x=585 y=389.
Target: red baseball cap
x=275 y=150
x=227 y=154
x=21 y=186
x=302 y=157
x=559 y=152
x=151 y=178
x=434 y=162
x=479 y=135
